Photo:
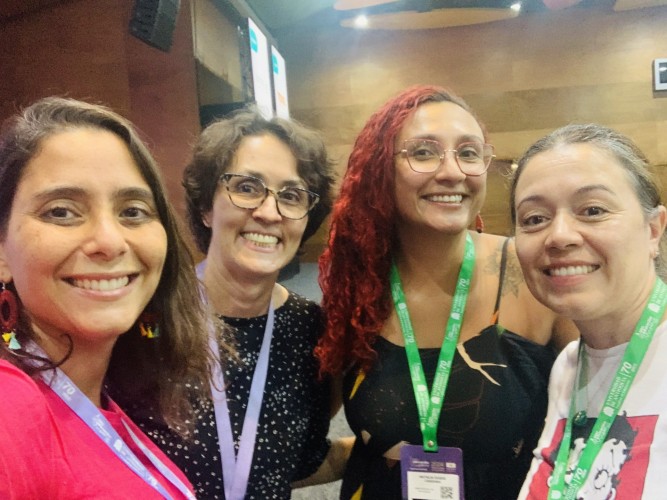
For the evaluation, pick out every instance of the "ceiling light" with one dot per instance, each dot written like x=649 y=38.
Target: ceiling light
x=516 y=7
x=360 y=21
x=358 y=4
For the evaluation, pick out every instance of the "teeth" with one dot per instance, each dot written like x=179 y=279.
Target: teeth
x=262 y=239
x=571 y=270
x=445 y=198
x=102 y=285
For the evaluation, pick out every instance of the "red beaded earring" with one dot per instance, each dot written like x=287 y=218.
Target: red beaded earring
x=479 y=223
x=9 y=314
x=149 y=325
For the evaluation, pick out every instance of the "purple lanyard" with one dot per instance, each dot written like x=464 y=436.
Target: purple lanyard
x=236 y=469
x=84 y=408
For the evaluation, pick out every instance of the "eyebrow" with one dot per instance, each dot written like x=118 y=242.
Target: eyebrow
x=459 y=139
x=578 y=192
x=77 y=192
x=298 y=182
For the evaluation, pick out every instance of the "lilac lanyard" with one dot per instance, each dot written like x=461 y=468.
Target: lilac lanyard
x=84 y=408
x=236 y=469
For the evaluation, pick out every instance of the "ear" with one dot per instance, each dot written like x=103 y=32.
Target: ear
x=206 y=219
x=5 y=273
x=657 y=225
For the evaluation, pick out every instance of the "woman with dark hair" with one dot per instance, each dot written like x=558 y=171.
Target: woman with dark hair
x=399 y=242
x=589 y=224
x=98 y=300
x=256 y=190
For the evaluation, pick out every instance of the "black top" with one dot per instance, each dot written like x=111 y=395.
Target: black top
x=291 y=436
x=494 y=410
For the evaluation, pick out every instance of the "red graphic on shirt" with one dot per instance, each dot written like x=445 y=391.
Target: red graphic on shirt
x=620 y=467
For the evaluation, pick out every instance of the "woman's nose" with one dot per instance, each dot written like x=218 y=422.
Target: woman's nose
x=563 y=232
x=268 y=209
x=449 y=167
x=106 y=237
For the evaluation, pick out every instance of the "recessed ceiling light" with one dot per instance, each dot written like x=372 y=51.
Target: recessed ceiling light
x=361 y=21
x=516 y=7
x=358 y=4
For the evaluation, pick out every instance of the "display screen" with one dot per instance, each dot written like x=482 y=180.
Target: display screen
x=261 y=76
x=279 y=83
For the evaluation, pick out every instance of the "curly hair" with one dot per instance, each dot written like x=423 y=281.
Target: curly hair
x=354 y=268
x=214 y=153
x=138 y=369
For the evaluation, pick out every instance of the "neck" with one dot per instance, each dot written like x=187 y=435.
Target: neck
x=236 y=297
x=617 y=329
x=430 y=256
x=86 y=366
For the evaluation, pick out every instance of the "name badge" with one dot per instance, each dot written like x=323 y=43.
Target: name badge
x=431 y=476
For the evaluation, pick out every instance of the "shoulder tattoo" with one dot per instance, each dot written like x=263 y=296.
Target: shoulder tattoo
x=513 y=275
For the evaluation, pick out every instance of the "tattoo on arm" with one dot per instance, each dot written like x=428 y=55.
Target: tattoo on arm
x=513 y=275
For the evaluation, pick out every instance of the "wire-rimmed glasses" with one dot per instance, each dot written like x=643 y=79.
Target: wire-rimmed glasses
x=426 y=156
x=246 y=191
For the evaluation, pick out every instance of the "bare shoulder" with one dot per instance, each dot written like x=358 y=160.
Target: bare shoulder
x=520 y=311
x=491 y=256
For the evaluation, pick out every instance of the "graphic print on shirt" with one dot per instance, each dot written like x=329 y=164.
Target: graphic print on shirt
x=623 y=459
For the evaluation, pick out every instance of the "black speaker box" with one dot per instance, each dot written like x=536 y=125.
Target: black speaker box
x=153 y=21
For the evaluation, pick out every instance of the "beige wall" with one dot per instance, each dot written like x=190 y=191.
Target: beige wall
x=523 y=76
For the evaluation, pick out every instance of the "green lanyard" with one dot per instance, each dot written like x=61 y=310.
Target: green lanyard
x=632 y=359
x=429 y=406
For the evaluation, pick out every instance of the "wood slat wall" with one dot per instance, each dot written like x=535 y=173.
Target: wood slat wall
x=83 y=49
x=524 y=77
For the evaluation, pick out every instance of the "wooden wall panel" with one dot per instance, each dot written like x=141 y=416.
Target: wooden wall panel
x=523 y=76
x=83 y=49
x=215 y=40
x=163 y=101
x=74 y=49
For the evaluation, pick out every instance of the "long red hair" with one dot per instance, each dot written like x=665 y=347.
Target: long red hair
x=354 y=268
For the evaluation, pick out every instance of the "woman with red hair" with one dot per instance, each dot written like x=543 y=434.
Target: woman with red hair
x=403 y=274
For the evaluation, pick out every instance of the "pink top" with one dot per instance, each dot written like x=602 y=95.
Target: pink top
x=47 y=451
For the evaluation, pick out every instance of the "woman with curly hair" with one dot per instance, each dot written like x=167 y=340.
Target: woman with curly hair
x=98 y=306
x=404 y=275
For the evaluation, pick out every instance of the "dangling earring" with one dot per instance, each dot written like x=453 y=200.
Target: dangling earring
x=9 y=314
x=479 y=223
x=149 y=325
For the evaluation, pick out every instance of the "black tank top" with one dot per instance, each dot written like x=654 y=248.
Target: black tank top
x=494 y=411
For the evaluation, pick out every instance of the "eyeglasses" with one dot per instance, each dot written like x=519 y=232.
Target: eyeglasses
x=426 y=155
x=250 y=192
